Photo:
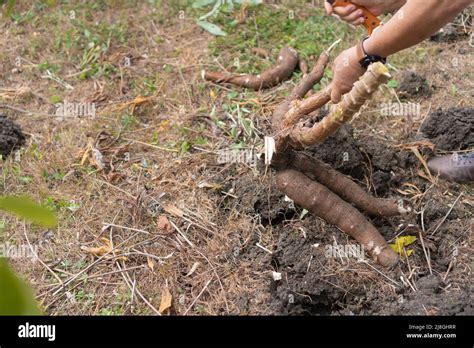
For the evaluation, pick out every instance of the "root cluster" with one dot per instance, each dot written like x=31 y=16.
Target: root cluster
x=310 y=183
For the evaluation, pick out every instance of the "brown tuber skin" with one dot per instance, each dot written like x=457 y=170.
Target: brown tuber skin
x=315 y=195
x=346 y=188
x=282 y=71
x=327 y=205
x=305 y=85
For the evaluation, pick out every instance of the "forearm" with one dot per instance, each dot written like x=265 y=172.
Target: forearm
x=395 y=5
x=416 y=21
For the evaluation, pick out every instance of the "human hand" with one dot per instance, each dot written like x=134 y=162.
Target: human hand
x=355 y=16
x=346 y=71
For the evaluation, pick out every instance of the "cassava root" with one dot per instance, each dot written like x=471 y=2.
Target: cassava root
x=309 y=182
x=313 y=185
x=346 y=188
x=280 y=72
x=327 y=205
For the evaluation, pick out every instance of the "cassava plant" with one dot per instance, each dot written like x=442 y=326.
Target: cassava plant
x=309 y=182
x=217 y=6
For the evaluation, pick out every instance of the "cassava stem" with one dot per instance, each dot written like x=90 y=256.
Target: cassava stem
x=327 y=205
x=351 y=103
x=299 y=91
x=281 y=71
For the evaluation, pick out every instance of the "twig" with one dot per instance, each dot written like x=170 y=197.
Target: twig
x=218 y=278
x=41 y=261
x=53 y=77
x=333 y=45
x=125 y=227
x=447 y=214
x=71 y=279
x=428 y=261
x=382 y=274
x=198 y=296
x=129 y=281
x=182 y=234
x=263 y=248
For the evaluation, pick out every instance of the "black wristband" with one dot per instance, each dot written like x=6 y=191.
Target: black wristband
x=369 y=58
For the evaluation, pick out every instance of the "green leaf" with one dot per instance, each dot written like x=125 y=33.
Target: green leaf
x=211 y=28
x=392 y=83
x=9 y=8
x=25 y=208
x=202 y=3
x=16 y=297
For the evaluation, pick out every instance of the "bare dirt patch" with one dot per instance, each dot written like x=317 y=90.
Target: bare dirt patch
x=11 y=136
x=451 y=129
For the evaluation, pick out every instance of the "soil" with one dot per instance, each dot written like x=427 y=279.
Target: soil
x=451 y=129
x=11 y=136
x=362 y=158
x=313 y=284
x=449 y=33
x=412 y=85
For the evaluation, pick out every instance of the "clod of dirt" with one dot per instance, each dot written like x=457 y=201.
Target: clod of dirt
x=355 y=157
x=341 y=151
x=255 y=198
x=303 y=291
x=431 y=300
x=412 y=85
x=11 y=136
x=448 y=33
x=450 y=130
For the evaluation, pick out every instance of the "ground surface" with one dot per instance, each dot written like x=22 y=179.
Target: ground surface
x=144 y=172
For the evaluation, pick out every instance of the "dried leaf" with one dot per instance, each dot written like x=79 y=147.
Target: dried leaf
x=166 y=300
x=139 y=100
x=173 y=210
x=193 y=268
x=164 y=225
x=92 y=155
x=150 y=263
x=101 y=250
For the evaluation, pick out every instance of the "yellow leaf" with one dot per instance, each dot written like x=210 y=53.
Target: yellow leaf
x=92 y=156
x=213 y=95
x=101 y=250
x=166 y=299
x=402 y=242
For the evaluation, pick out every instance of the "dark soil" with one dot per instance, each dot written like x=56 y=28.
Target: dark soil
x=361 y=158
x=451 y=129
x=317 y=285
x=449 y=33
x=11 y=136
x=314 y=284
x=411 y=85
